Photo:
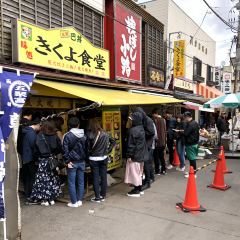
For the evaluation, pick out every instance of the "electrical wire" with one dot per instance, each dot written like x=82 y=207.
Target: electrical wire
x=223 y=20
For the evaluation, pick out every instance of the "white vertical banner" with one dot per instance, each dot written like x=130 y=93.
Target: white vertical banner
x=226 y=82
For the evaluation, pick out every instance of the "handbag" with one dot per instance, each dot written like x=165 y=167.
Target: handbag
x=53 y=162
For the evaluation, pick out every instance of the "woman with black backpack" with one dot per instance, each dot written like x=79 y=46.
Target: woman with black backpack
x=47 y=186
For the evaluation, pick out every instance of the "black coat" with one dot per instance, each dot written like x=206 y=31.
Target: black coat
x=180 y=135
x=47 y=145
x=137 y=147
x=191 y=133
x=222 y=125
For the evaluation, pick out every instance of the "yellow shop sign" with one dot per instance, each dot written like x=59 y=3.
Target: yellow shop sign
x=179 y=59
x=62 y=48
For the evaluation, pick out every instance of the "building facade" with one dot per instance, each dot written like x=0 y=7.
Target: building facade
x=200 y=48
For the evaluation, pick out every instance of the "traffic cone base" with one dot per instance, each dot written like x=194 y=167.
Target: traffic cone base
x=224 y=188
x=187 y=210
x=225 y=171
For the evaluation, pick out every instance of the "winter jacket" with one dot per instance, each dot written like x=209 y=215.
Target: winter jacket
x=23 y=123
x=103 y=146
x=137 y=147
x=171 y=124
x=222 y=125
x=74 y=146
x=155 y=137
x=191 y=133
x=160 y=124
x=28 y=144
x=180 y=135
x=47 y=145
x=148 y=127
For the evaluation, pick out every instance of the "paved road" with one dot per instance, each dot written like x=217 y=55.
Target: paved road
x=151 y=217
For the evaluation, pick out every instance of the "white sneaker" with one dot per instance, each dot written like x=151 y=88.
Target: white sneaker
x=142 y=193
x=180 y=169
x=75 y=205
x=187 y=176
x=170 y=166
x=79 y=203
x=52 y=203
x=45 y=203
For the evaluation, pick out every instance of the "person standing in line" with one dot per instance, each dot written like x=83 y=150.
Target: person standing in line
x=160 y=124
x=137 y=154
x=171 y=124
x=75 y=156
x=149 y=129
x=180 y=142
x=29 y=135
x=100 y=145
x=47 y=186
x=191 y=133
x=222 y=126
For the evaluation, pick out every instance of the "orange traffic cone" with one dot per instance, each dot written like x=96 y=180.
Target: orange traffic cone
x=191 y=200
x=176 y=161
x=224 y=164
x=218 y=182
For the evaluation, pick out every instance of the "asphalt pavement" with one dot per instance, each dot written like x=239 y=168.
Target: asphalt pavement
x=151 y=217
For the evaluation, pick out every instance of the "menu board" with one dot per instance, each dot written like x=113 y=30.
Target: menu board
x=111 y=121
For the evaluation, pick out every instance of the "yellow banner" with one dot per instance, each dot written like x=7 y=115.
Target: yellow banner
x=179 y=58
x=65 y=49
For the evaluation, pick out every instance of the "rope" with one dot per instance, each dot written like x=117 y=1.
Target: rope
x=206 y=165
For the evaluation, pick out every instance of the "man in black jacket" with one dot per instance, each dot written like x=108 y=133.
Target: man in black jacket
x=221 y=126
x=191 y=134
x=75 y=155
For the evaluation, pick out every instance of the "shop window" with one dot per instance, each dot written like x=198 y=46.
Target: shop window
x=197 y=67
x=206 y=51
x=203 y=49
x=199 y=46
x=191 y=40
x=195 y=44
x=209 y=73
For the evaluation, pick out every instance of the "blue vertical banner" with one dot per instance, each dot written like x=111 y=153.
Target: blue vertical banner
x=15 y=88
x=2 y=175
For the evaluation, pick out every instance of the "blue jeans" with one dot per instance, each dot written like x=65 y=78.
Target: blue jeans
x=76 y=182
x=181 y=152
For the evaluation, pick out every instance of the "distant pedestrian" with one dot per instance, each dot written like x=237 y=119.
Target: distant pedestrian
x=222 y=126
x=159 y=157
x=171 y=124
x=137 y=154
x=191 y=133
x=75 y=156
x=29 y=135
x=47 y=186
x=180 y=141
x=100 y=145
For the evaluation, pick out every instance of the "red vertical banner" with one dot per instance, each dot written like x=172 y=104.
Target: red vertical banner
x=128 y=44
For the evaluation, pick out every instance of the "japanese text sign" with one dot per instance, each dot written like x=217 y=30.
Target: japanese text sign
x=64 y=49
x=127 y=44
x=2 y=175
x=179 y=58
x=156 y=77
x=15 y=90
x=186 y=85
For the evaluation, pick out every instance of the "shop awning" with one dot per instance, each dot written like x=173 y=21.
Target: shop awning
x=105 y=96
x=195 y=106
x=208 y=92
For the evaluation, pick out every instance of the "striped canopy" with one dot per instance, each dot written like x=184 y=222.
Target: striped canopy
x=228 y=101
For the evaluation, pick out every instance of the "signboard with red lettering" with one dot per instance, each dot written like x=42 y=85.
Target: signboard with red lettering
x=127 y=44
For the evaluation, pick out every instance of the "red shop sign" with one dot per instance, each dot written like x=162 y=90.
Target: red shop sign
x=127 y=44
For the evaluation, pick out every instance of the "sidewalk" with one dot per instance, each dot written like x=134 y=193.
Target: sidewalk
x=151 y=217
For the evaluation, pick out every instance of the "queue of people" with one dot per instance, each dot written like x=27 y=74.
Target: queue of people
x=44 y=151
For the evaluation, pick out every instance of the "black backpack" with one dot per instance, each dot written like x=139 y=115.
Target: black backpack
x=79 y=151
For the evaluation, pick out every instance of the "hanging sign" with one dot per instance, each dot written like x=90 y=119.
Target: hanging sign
x=2 y=175
x=156 y=77
x=62 y=48
x=128 y=44
x=15 y=89
x=179 y=59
